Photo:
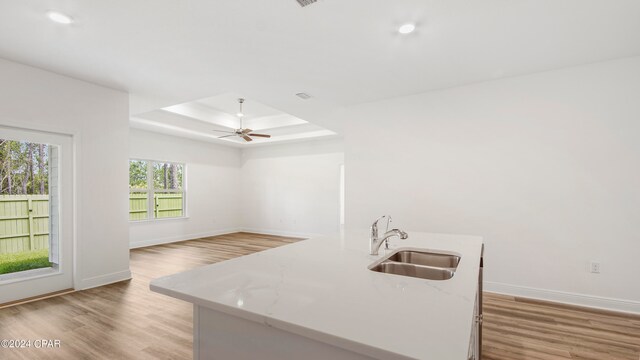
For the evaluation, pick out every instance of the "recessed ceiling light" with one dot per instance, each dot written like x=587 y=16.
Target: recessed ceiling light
x=59 y=17
x=303 y=96
x=239 y=114
x=406 y=29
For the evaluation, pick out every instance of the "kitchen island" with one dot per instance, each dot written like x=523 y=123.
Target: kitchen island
x=317 y=299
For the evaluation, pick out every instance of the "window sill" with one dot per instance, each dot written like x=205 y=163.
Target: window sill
x=145 y=221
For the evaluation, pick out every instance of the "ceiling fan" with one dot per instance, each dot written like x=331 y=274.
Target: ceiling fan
x=246 y=134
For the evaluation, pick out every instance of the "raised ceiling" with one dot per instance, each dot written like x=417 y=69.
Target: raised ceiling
x=167 y=52
x=205 y=119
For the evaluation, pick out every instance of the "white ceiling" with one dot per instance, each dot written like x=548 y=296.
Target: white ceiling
x=168 y=52
x=208 y=119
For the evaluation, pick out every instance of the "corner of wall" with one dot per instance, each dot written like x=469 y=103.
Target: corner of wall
x=102 y=280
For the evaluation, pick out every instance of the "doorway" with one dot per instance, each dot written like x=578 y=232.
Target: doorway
x=36 y=217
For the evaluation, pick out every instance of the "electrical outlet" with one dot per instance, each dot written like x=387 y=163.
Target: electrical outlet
x=595 y=267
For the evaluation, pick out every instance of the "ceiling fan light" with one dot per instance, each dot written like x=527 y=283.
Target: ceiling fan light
x=245 y=133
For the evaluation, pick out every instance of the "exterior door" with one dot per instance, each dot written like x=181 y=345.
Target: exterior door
x=37 y=213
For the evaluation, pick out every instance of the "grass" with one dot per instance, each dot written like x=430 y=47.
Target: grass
x=10 y=263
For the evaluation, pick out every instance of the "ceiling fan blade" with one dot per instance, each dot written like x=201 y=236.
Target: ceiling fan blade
x=246 y=131
x=226 y=136
x=260 y=135
x=224 y=131
x=246 y=138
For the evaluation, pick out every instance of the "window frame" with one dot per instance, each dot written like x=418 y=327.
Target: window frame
x=60 y=275
x=150 y=190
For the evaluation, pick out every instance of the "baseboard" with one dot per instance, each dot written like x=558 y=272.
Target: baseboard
x=104 y=280
x=280 y=233
x=172 y=239
x=36 y=298
x=590 y=301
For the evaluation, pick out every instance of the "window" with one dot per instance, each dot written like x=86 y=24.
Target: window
x=156 y=190
x=36 y=213
x=25 y=206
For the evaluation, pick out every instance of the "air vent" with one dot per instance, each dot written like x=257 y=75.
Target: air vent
x=304 y=3
x=303 y=96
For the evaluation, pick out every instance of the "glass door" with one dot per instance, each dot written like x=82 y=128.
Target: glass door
x=36 y=184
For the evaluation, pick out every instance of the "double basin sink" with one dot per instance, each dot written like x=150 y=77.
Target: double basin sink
x=418 y=263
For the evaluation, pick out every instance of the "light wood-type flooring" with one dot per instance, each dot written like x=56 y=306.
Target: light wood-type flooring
x=519 y=328
x=127 y=321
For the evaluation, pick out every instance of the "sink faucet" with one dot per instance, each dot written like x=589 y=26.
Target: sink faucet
x=376 y=241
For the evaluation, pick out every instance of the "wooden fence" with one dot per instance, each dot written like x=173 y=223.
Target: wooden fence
x=165 y=205
x=24 y=223
x=24 y=219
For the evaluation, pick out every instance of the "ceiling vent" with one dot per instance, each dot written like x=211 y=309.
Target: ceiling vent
x=304 y=3
x=303 y=96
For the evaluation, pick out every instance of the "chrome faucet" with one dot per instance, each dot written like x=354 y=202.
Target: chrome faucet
x=375 y=241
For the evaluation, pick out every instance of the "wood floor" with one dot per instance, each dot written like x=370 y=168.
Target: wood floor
x=127 y=321
x=519 y=328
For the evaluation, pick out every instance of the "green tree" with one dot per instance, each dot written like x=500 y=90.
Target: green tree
x=137 y=174
x=43 y=163
x=167 y=176
x=22 y=168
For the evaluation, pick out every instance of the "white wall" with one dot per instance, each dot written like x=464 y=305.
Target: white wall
x=213 y=186
x=546 y=167
x=292 y=189
x=288 y=189
x=98 y=119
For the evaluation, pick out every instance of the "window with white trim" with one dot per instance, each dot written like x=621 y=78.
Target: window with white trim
x=156 y=190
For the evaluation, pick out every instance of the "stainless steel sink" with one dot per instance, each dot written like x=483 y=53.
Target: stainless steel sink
x=418 y=263
x=426 y=258
x=417 y=271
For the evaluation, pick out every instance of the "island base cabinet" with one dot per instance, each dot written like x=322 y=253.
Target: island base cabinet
x=224 y=337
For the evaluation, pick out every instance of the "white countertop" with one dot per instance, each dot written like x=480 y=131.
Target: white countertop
x=322 y=289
